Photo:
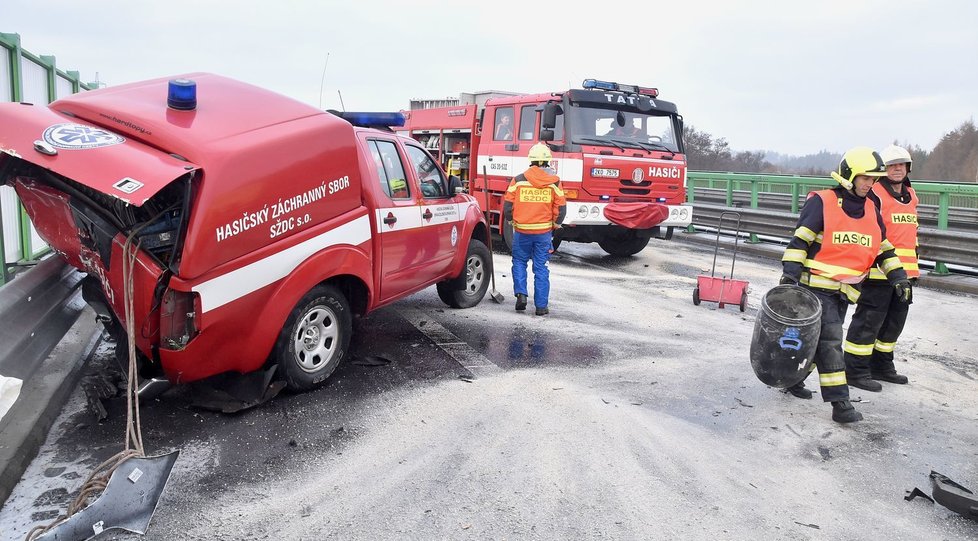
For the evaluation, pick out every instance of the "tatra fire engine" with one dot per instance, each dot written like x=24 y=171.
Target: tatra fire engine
x=617 y=148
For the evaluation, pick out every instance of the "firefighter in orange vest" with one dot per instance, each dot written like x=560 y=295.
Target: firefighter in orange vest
x=840 y=236
x=882 y=309
x=535 y=204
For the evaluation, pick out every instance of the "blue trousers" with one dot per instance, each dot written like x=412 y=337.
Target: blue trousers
x=536 y=247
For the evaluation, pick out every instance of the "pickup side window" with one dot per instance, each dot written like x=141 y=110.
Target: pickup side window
x=390 y=169
x=429 y=174
x=502 y=128
x=528 y=116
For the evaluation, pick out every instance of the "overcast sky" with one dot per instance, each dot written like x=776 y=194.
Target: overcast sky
x=787 y=76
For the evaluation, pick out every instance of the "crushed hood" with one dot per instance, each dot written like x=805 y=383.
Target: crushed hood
x=89 y=154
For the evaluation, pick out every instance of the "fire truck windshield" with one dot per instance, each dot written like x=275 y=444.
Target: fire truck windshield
x=617 y=128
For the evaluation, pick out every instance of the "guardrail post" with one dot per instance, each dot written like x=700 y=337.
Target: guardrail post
x=795 y=192
x=944 y=202
x=690 y=197
x=755 y=185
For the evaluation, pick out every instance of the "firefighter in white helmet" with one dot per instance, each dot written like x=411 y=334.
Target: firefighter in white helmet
x=882 y=311
x=839 y=237
x=535 y=203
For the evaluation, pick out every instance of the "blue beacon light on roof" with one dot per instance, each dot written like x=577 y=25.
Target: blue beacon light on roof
x=181 y=95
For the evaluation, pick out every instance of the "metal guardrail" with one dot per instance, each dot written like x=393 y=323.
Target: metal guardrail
x=957 y=247
x=959 y=218
x=950 y=207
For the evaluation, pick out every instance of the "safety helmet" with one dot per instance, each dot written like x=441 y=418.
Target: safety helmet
x=859 y=161
x=398 y=185
x=894 y=154
x=540 y=153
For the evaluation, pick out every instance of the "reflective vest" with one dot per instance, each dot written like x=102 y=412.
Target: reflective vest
x=534 y=208
x=901 y=229
x=849 y=245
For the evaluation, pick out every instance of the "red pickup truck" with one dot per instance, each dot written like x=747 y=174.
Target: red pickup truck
x=233 y=228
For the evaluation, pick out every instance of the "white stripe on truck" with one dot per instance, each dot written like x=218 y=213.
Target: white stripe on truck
x=233 y=285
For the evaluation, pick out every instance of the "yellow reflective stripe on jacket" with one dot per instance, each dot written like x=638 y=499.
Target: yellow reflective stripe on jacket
x=557 y=190
x=857 y=349
x=822 y=282
x=793 y=254
x=534 y=227
x=906 y=252
x=805 y=234
x=832 y=379
x=834 y=270
x=514 y=186
x=876 y=274
x=886 y=245
x=885 y=347
x=890 y=264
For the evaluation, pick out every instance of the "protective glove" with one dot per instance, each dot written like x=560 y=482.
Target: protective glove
x=904 y=291
x=788 y=279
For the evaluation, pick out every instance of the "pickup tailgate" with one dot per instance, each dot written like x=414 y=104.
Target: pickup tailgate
x=90 y=155
x=86 y=190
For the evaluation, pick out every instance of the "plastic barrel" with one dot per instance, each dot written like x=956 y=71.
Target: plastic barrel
x=785 y=335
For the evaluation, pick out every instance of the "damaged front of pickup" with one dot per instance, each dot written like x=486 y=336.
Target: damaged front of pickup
x=93 y=194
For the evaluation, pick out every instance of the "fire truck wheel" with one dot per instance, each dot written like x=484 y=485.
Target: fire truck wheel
x=467 y=289
x=624 y=246
x=314 y=339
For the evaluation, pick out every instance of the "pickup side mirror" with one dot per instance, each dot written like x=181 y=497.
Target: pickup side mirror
x=546 y=134
x=455 y=185
x=550 y=112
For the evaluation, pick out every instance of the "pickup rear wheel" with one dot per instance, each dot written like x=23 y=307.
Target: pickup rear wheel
x=314 y=339
x=468 y=288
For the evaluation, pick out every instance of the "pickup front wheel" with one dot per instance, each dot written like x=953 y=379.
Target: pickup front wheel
x=314 y=339
x=468 y=288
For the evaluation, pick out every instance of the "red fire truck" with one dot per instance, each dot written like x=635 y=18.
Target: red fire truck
x=617 y=148
x=241 y=228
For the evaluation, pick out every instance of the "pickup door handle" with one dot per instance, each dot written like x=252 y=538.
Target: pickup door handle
x=390 y=219
x=513 y=146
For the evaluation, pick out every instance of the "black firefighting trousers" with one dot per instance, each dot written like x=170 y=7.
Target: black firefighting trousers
x=876 y=326
x=828 y=353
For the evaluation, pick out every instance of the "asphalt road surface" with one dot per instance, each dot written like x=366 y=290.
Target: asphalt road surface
x=627 y=413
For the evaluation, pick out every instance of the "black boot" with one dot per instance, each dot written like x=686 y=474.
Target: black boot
x=891 y=377
x=799 y=390
x=520 y=302
x=843 y=412
x=542 y=311
x=865 y=384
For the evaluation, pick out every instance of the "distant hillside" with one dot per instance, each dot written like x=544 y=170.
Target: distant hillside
x=809 y=164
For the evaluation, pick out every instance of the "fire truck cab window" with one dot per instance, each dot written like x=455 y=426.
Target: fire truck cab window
x=429 y=174
x=390 y=169
x=528 y=116
x=502 y=129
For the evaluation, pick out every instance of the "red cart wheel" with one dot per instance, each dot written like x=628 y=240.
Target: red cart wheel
x=696 y=296
x=743 y=301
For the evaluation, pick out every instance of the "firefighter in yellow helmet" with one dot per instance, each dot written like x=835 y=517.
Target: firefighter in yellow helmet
x=882 y=309
x=840 y=235
x=535 y=203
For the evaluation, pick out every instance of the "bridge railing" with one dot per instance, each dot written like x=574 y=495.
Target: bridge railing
x=948 y=211
x=26 y=77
